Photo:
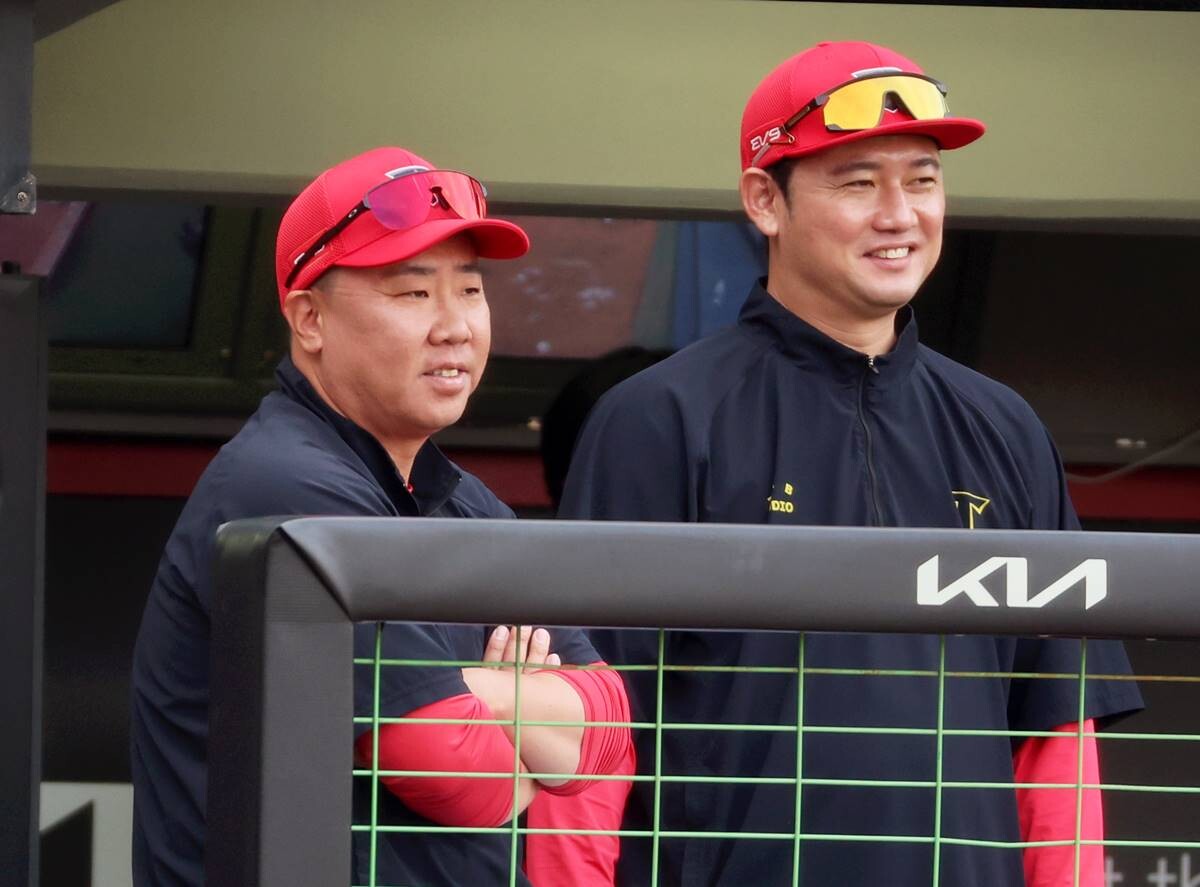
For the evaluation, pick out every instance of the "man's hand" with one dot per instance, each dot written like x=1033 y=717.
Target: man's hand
x=524 y=644
x=509 y=645
x=544 y=697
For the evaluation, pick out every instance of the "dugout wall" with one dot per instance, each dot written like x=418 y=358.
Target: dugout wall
x=22 y=488
x=288 y=592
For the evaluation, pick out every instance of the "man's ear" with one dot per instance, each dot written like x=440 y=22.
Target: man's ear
x=302 y=311
x=762 y=200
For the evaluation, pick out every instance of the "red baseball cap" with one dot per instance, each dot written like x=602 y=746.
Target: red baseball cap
x=366 y=242
x=803 y=77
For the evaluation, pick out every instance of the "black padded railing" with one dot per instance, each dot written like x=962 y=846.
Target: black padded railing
x=289 y=591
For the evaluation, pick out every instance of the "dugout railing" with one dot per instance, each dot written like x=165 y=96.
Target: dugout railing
x=288 y=592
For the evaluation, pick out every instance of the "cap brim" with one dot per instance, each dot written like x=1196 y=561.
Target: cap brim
x=493 y=238
x=948 y=132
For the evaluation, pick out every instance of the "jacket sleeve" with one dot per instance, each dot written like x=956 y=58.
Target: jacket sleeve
x=1039 y=704
x=1052 y=507
x=1050 y=814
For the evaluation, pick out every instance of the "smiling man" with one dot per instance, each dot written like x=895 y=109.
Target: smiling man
x=377 y=264
x=820 y=407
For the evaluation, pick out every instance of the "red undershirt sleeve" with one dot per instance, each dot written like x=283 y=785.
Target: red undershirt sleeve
x=594 y=804
x=1048 y=814
x=579 y=860
x=471 y=748
x=603 y=749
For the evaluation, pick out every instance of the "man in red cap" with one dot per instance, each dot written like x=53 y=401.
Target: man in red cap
x=820 y=406
x=379 y=281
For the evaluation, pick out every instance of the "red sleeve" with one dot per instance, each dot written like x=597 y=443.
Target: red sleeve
x=1048 y=814
x=603 y=749
x=471 y=748
x=579 y=860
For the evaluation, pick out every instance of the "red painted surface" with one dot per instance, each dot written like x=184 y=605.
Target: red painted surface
x=515 y=476
x=106 y=467
x=1163 y=494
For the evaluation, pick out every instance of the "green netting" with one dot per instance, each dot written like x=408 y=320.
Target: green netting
x=796 y=835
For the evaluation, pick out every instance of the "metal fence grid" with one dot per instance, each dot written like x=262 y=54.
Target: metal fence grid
x=353 y=562
x=797 y=835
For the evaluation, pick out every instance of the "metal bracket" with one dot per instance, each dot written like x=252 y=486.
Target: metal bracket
x=21 y=198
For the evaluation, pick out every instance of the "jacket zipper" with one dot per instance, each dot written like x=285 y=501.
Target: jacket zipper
x=862 y=418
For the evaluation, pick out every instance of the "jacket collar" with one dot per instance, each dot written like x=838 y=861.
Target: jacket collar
x=812 y=350
x=434 y=477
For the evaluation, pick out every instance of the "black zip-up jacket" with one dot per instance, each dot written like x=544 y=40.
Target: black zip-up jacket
x=771 y=421
x=296 y=455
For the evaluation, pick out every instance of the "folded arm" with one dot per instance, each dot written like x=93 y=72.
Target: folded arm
x=569 y=697
x=559 y=694
x=451 y=748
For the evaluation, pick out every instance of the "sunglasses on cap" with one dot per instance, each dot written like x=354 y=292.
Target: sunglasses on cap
x=406 y=200
x=860 y=104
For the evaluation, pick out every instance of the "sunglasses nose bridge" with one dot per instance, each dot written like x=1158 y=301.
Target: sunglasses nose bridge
x=893 y=101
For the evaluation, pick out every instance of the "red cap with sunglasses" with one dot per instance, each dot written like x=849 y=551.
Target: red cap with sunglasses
x=842 y=92
x=384 y=206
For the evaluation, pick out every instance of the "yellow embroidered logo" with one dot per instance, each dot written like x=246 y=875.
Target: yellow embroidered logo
x=970 y=506
x=782 y=505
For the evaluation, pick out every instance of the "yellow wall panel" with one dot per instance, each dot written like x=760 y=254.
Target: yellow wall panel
x=622 y=102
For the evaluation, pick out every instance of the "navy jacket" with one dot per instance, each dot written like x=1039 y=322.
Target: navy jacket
x=298 y=456
x=770 y=421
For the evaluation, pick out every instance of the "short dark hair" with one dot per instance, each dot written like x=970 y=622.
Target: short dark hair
x=781 y=172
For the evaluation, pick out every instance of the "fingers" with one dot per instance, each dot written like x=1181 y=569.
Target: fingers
x=496 y=643
x=533 y=646
x=539 y=648
x=517 y=648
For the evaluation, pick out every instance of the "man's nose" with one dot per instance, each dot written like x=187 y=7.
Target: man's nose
x=895 y=211
x=450 y=325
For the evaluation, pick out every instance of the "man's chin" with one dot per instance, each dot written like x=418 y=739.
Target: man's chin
x=884 y=293
x=444 y=415
x=890 y=302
